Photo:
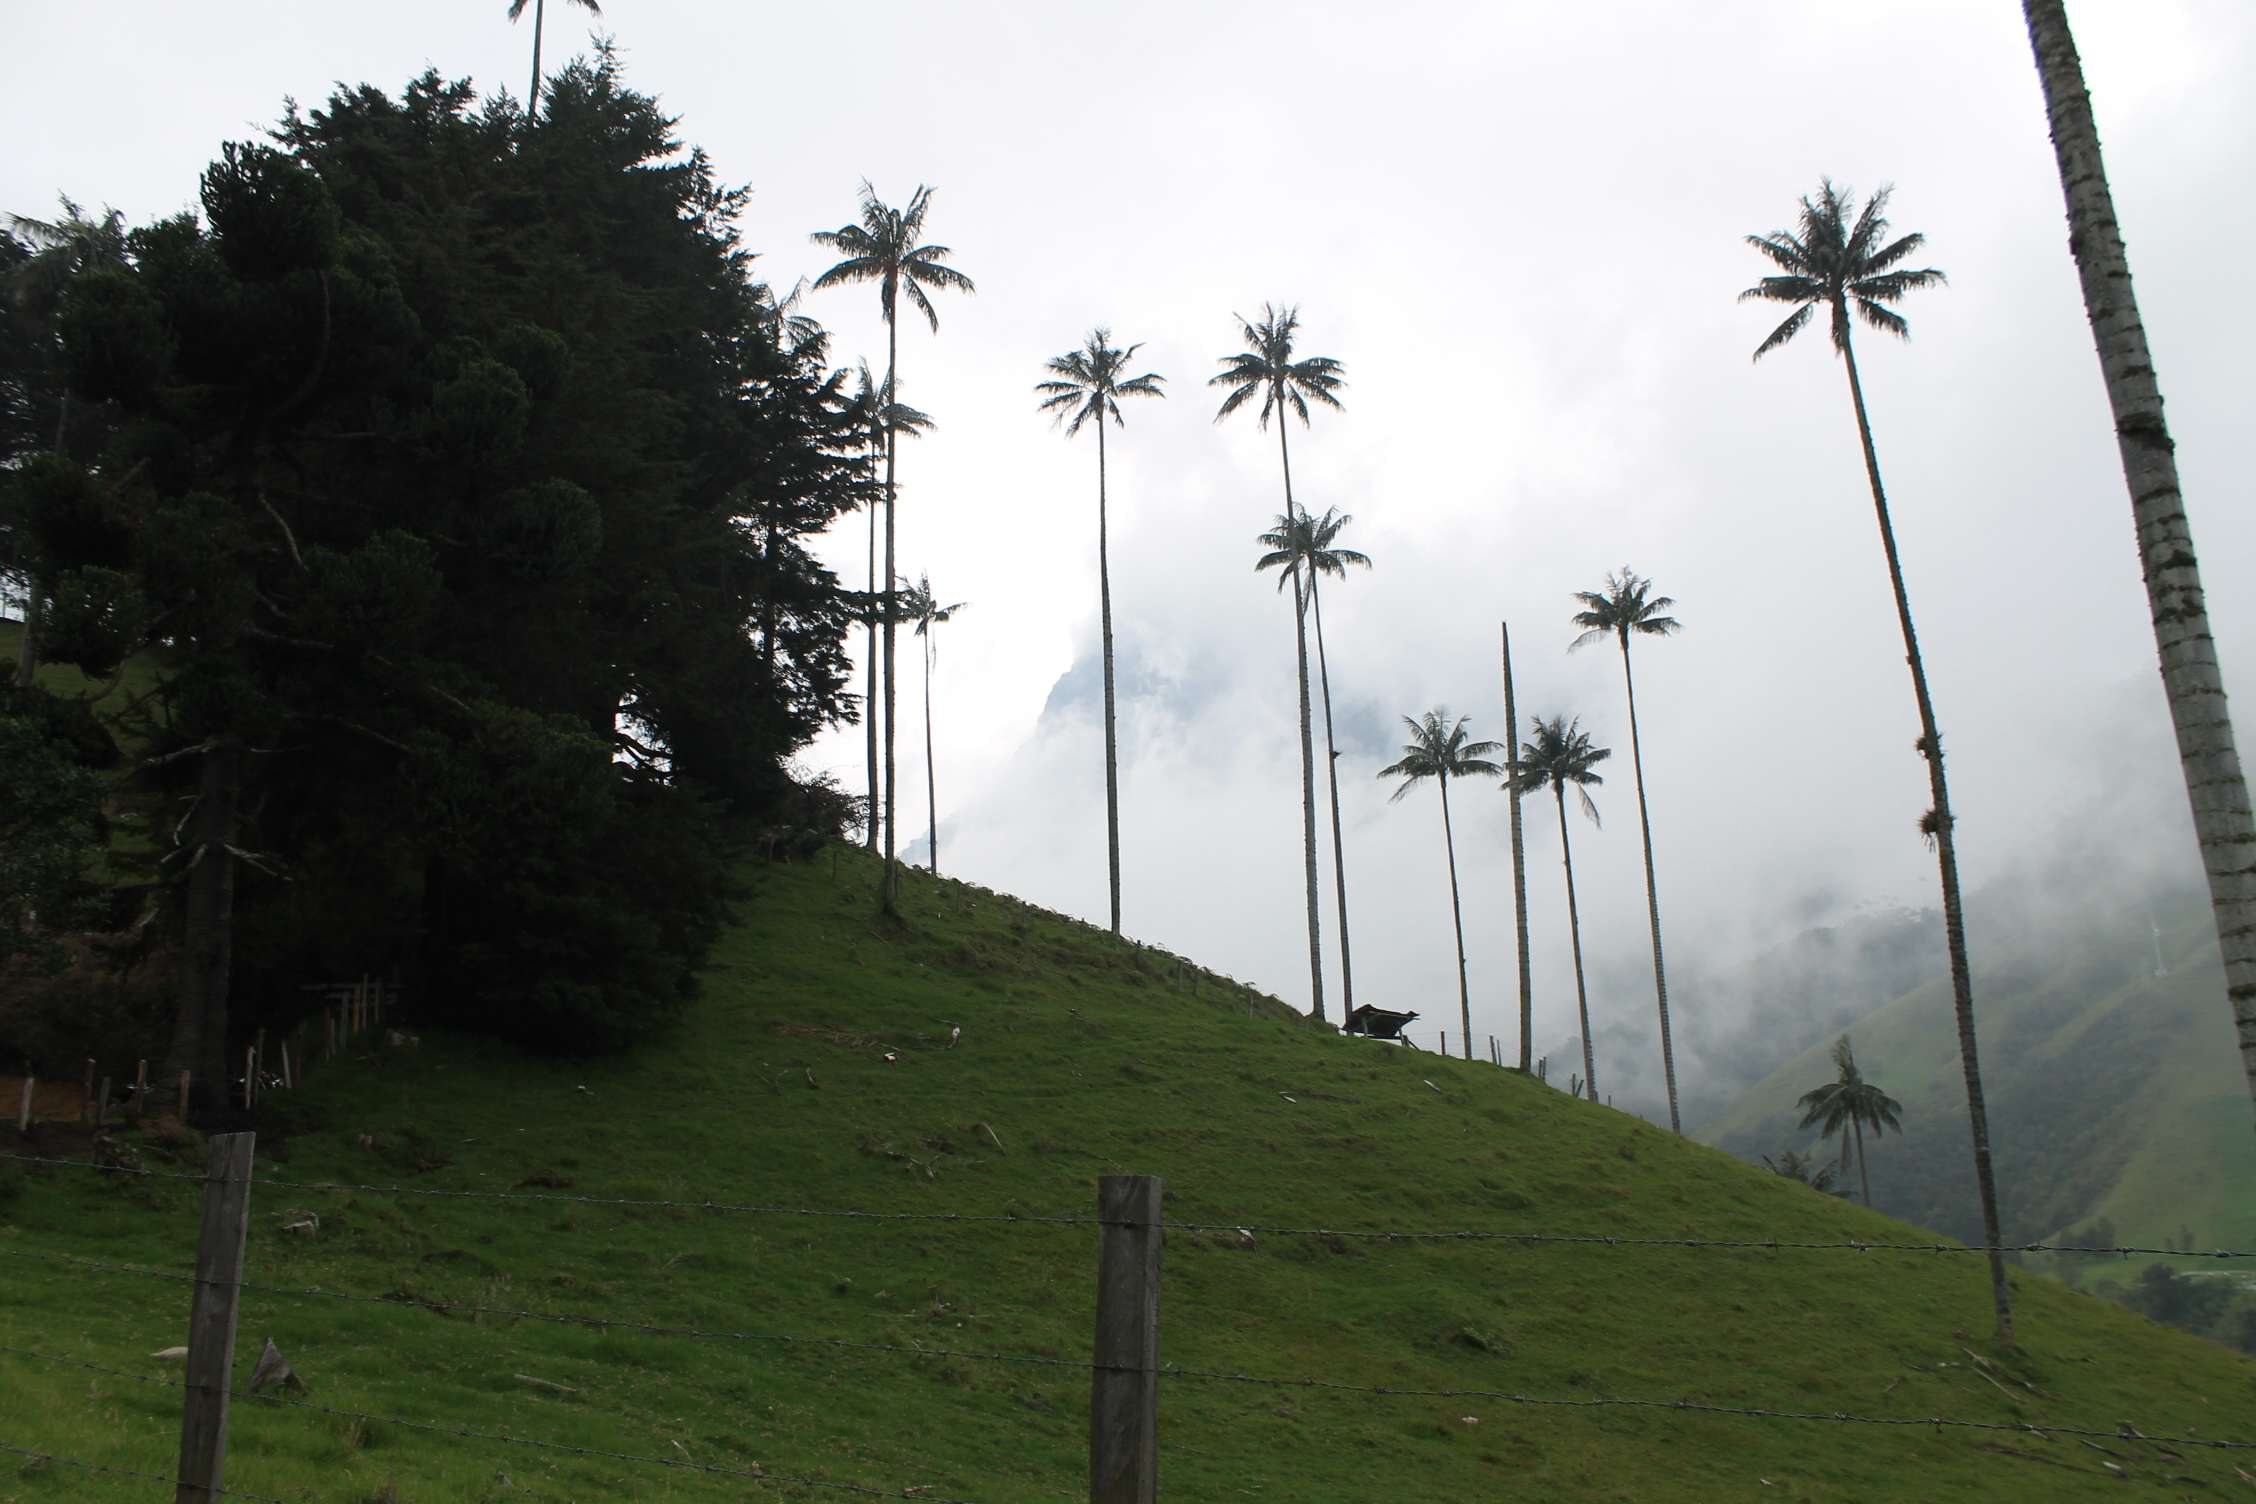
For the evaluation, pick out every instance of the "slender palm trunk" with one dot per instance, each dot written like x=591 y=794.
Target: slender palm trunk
x=1519 y=864
x=1457 y=917
x=1946 y=851
x=1112 y=745
x=890 y=890
x=1307 y=760
x=199 y=1034
x=1574 y=928
x=1652 y=892
x=2191 y=678
x=532 y=91
x=1331 y=766
x=869 y=699
x=1864 y=1171
x=931 y=784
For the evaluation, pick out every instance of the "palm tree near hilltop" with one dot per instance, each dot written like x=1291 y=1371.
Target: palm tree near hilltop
x=875 y=415
x=1845 y=1105
x=1086 y=385
x=925 y=609
x=1626 y=608
x=1558 y=753
x=884 y=245
x=1840 y=260
x=540 y=14
x=1438 y=750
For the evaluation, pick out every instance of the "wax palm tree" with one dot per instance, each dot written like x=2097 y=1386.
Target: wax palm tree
x=1438 y=750
x=2191 y=678
x=1519 y=864
x=1557 y=753
x=924 y=608
x=1266 y=369
x=1626 y=608
x=884 y=246
x=1311 y=540
x=1086 y=385
x=1845 y=1105
x=540 y=8
x=874 y=416
x=1839 y=259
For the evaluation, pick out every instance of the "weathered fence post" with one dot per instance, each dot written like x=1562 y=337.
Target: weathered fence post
x=23 y=1113
x=1124 y=1392
x=211 y=1318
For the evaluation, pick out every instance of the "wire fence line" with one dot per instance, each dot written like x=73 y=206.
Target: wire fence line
x=51 y=1459
x=755 y=1472
x=1247 y=1228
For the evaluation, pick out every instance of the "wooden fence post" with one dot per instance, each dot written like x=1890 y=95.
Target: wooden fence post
x=141 y=1089
x=23 y=1113
x=211 y=1318
x=1124 y=1392
x=184 y=1096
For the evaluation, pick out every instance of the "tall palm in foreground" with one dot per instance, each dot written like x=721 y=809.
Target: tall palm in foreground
x=1438 y=750
x=1623 y=609
x=884 y=245
x=1267 y=369
x=1558 y=752
x=1519 y=864
x=925 y=609
x=540 y=9
x=2222 y=820
x=1086 y=385
x=1845 y=1105
x=875 y=416
x=1838 y=259
x=1310 y=540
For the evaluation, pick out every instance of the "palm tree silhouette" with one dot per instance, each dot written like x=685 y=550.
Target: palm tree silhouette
x=540 y=9
x=1839 y=259
x=1310 y=539
x=884 y=246
x=1266 y=368
x=1438 y=750
x=1845 y=1105
x=1559 y=753
x=1624 y=608
x=1087 y=384
x=874 y=415
x=924 y=608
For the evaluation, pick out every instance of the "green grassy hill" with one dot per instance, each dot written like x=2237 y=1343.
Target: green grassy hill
x=818 y=1072
x=2115 y=1096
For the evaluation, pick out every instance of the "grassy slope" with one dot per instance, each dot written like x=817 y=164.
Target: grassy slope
x=1083 y=1061
x=2113 y=1094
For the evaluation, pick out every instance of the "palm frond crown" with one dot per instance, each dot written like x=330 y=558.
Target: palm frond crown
x=1626 y=605
x=1438 y=749
x=1839 y=257
x=1266 y=368
x=1557 y=754
x=1088 y=383
x=1303 y=543
x=882 y=246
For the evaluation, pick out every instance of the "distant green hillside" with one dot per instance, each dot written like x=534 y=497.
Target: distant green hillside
x=821 y=1070
x=2114 y=1094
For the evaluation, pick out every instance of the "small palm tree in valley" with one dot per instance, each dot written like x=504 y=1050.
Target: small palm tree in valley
x=1625 y=608
x=924 y=608
x=1085 y=386
x=1267 y=369
x=1846 y=1105
x=1838 y=260
x=1438 y=750
x=1558 y=753
x=540 y=14
x=885 y=245
x=876 y=416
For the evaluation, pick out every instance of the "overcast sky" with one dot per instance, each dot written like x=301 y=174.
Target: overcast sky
x=1519 y=228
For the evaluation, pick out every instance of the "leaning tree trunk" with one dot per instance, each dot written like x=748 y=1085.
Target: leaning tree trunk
x=889 y=889
x=2191 y=677
x=1652 y=893
x=1574 y=929
x=931 y=782
x=1457 y=917
x=1307 y=762
x=199 y=1033
x=532 y=92
x=1938 y=825
x=1864 y=1171
x=1519 y=861
x=869 y=700
x=1331 y=766
x=1112 y=745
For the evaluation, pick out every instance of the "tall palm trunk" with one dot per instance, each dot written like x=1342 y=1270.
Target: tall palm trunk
x=931 y=783
x=532 y=91
x=1112 y=745
x=1519 y=865
x=1574 y=928
x=1946 y=851
x=890 y=890
x=1457 y=916
x=869 y=700
x=1652 y=892
x=1864 y=1171
x=2190 y=675
x=199 y=1034
x=1331 y=766
x=1307 y=757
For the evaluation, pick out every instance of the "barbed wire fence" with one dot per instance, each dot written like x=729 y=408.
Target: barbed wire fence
x=1125 y=1369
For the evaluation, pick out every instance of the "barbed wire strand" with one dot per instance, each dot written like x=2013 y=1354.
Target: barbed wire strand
x=755 y=1472
x=53 y=1460
x=1407 y=1235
